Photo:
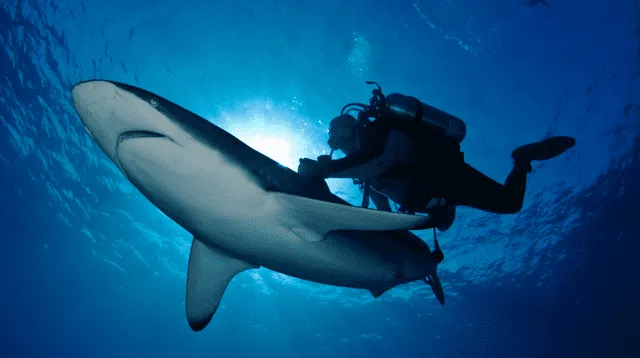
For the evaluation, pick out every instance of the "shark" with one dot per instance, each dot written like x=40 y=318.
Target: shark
x=244 y=210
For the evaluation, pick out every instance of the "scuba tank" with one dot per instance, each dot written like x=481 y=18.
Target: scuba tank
x=409 y=108
x=406 y=108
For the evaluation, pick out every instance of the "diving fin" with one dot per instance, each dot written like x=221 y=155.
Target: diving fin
x=543 y=150
x=210 y=271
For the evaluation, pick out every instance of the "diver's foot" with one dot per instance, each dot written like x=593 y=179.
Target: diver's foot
x=542 y=150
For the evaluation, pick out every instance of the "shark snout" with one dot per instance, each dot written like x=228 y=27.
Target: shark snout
x=111 y=113
x=91 y=100
x=96 y=102
x=84 y=94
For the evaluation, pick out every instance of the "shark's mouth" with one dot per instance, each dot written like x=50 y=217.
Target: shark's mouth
x=137 y=134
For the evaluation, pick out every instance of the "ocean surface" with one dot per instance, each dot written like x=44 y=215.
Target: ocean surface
x=90 y=268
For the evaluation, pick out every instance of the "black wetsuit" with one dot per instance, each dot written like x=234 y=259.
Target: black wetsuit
x=439 y=172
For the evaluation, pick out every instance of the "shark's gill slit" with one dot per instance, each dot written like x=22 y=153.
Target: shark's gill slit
x=139 y=134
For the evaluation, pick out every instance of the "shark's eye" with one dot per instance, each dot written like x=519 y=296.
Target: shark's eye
x=154 y=102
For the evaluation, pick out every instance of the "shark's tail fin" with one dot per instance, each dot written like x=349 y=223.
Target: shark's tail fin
x=436 y=286
x=432 y=278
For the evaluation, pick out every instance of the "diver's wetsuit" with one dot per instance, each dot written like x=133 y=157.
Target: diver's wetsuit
x=439 y=172
x=461 y=184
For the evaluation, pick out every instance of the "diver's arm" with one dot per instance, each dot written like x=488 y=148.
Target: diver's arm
x=380 y=200
x=396 y=146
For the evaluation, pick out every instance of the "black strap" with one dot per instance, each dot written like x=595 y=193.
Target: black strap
x=438 y=255
x=365 y=195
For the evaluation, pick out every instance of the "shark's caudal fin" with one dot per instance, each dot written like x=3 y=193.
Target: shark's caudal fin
x=315 y=218
x=434 y=281
x=208 y=275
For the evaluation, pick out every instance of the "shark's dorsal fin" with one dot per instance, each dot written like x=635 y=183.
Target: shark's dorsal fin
x=208 y=275
x=313 y=219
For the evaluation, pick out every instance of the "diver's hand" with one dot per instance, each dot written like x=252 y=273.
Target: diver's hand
x=313 y=168
x=443 y=216
x=307 y=167
x=324 y=159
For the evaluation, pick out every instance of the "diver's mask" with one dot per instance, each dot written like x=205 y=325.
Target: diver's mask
x=342 y=132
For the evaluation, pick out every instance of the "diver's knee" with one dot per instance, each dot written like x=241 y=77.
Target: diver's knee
x=513 y=207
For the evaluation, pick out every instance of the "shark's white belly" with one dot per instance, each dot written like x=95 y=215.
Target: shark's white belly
x=224 y=206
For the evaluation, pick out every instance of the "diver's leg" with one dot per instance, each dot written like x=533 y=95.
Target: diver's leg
x=474 y=189
x=469 y=187
x=380 y=200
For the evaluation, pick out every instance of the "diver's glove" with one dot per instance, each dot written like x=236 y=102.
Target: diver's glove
x=314 y=168
x=324 y=160
x=443 y=216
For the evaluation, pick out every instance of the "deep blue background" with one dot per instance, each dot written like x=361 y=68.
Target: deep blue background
x=90 y=269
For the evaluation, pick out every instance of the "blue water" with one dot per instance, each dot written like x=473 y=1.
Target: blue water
x=91 y=269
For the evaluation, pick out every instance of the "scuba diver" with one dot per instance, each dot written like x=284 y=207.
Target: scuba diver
x=410 y=154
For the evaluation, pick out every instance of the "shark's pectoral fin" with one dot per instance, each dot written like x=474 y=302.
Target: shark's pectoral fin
x=208 y=275
x=379 y=291
x=319 y=217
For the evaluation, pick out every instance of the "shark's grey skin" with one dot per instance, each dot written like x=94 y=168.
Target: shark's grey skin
x=244 y=209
